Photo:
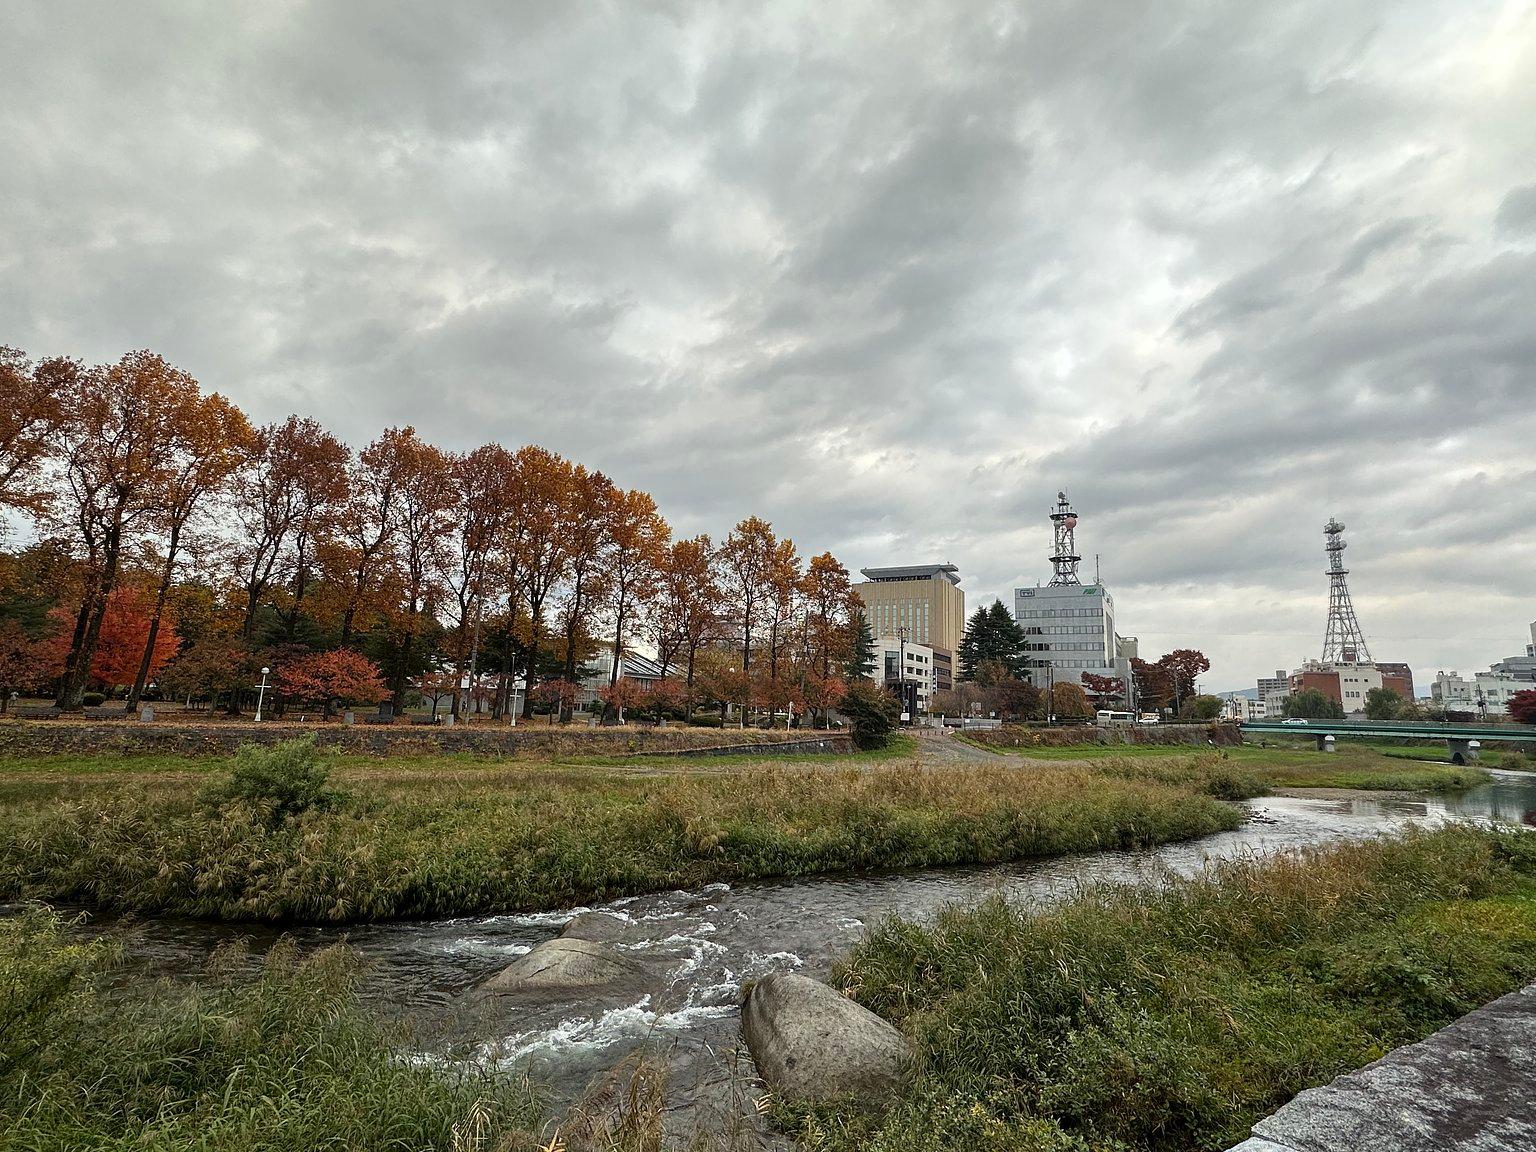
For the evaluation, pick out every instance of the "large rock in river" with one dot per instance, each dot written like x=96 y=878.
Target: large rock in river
x=811 y=1043
x=562 y=965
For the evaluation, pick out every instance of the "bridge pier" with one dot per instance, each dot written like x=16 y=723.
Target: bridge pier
x=1326 y=744
x=1463 y=751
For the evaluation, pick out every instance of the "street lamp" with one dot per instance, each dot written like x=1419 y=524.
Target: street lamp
x=901 y=669
x=261 y=693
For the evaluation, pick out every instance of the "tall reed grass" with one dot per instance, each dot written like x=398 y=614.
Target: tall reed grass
x=456 y=842
x=1172 y=1017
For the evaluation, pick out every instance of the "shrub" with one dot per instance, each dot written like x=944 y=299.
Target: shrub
x=872 y=713
x=283 y=780
x=93 y=699
x=706 y=720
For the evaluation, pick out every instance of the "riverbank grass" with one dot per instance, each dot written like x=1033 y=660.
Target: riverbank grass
x=1172 y=1017
x=285 y=1060
x=448 y=840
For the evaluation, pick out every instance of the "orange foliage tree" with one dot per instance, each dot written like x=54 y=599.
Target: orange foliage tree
x=331 y=678
x=32 y=409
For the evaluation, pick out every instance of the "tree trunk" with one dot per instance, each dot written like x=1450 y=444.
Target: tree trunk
x=142 y=678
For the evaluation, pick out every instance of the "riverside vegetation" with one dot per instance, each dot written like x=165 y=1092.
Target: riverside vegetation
x=1126 y=1019
x=283 y=838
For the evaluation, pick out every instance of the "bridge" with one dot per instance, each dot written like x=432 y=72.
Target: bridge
x=1463 y=740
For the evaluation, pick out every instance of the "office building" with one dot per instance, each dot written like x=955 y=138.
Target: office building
x=1071 y=625
x=920 y=670
x=1273 y=690
x=924 y=599
x=1483 y=694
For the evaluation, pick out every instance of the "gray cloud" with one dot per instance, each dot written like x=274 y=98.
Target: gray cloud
x=888 y=275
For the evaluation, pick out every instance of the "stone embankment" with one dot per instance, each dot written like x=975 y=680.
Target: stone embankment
x=1471 y=1087
x=212 y=738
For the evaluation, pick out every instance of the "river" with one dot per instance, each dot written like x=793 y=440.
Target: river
x=700 y=945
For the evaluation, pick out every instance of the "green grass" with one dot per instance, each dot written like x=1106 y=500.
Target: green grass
x=283 y=1060
x=449 y=838
x=1139 y=1019
x=1290 y=765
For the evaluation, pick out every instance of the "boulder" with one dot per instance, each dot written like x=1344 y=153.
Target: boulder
x=561 y=965
x=596 y=926
x=812 y=1043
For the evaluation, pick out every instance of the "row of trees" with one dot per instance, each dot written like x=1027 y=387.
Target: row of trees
x=179 y=542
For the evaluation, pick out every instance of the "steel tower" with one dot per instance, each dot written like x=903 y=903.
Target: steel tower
x=1064 y=520
x=1344 y=643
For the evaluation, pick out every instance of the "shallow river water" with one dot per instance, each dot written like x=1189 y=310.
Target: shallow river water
x=700 y=945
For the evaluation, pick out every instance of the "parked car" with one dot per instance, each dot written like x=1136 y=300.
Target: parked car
x=1293 y=720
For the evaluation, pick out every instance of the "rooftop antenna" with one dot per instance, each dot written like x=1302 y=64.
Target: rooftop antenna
x=1344 y=642
x=1096 y=579
x=1065 y=559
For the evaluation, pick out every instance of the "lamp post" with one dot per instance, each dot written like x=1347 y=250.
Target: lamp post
x=901 y=668
x=261 y=693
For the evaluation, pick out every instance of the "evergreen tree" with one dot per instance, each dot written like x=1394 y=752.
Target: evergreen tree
x=992 y=634
x=862 y=664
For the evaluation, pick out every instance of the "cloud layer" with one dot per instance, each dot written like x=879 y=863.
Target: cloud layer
x=889 y=275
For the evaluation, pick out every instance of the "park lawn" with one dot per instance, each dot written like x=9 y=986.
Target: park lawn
x=450 y=836
x=1171 y=1017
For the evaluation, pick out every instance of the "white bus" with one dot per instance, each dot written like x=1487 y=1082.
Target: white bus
x=1105 y=718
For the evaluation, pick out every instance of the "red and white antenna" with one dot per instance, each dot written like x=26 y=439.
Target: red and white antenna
x=1064 y=520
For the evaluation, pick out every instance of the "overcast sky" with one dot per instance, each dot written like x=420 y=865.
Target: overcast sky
x=888 y=275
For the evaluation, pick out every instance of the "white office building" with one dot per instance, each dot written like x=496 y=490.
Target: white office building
x=1273 y=691
x=919 y=670
x=1070 y=630
x=1485 y=693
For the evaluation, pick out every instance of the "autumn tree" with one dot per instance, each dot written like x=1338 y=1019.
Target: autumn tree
x=1019 y=699
x=685 y=614
x=356 y=556
x=211 y=440
x=1154 y=684
x=748 y=560
x=118 y=450
x=542 y=498
x=425 y=507
x=293 y=485
x=214 y=665
x=34 y=406
x=830 y=605
x=480 y=517
x=1184 y=666
x=330 y=678
x=1522 y=706
x=782 y=603
x=636 y=556
x=587 y=515
x=26 y=662
x=129 y=639
x=1103 y=690
x=1068 y=701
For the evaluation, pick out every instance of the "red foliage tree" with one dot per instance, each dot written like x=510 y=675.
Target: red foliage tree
x=125 y=636
x=1522 y=706
x=26 y=665
x=1103 y=690
x=331 y=678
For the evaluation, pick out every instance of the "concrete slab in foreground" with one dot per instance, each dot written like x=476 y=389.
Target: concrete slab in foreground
x=1471 y=1086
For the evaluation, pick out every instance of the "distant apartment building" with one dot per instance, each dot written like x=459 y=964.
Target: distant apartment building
x=1273 y=690
x=921 y=668
x=1520 y=667
x=924 y=599
x=1485 y=693
x=1349 y=683
x=1243 y=708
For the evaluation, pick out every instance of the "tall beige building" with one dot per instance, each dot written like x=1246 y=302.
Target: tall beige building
x=926 y=600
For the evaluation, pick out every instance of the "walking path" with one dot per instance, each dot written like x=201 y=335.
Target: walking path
x=1471 y=1086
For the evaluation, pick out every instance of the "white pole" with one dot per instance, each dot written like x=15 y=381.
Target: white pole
x=261 y=693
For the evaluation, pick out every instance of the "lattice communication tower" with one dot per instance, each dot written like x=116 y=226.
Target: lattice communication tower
x=1344 y=643
x=1064 y=520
